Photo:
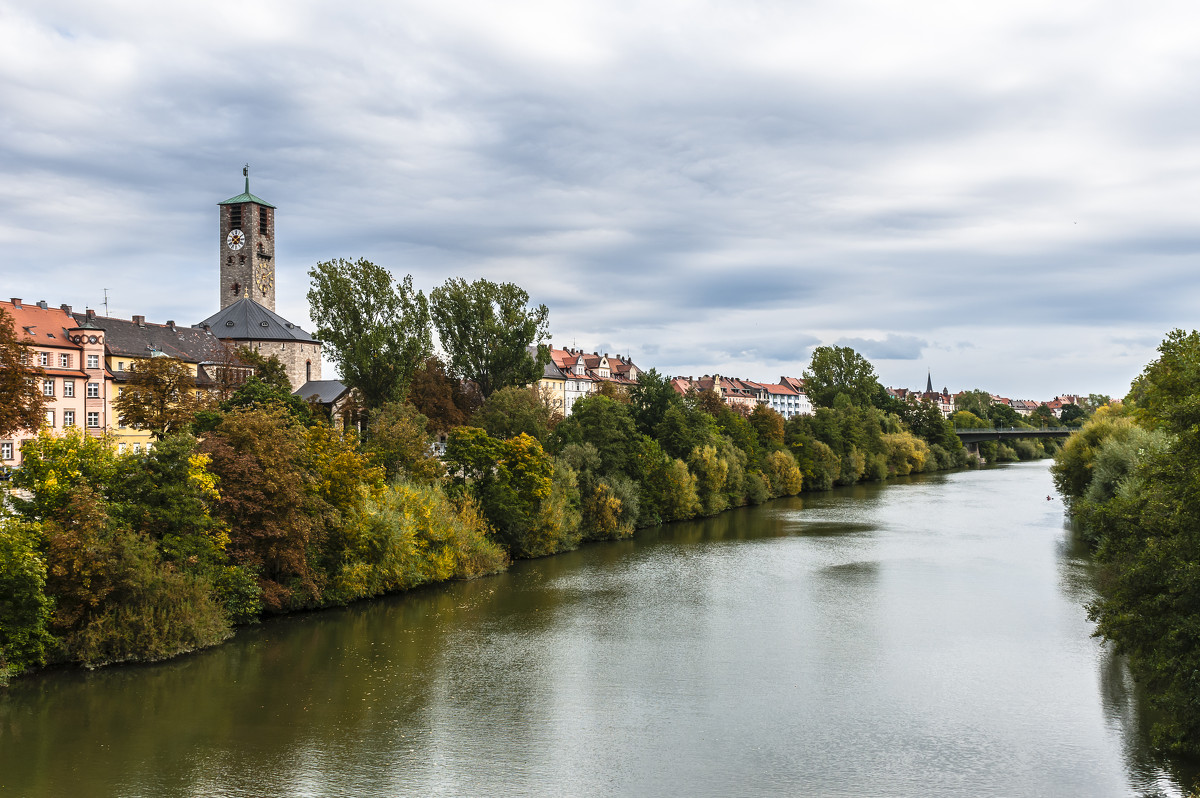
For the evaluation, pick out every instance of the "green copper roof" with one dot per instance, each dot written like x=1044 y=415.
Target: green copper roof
x=246 y=196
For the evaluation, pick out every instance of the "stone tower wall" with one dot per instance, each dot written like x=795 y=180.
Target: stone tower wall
x=247 y=267
x=301 y=359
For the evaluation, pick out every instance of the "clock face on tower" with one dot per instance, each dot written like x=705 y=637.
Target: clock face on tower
x=236 y=240
x=265 y=280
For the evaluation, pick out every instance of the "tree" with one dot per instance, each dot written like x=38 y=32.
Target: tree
x=269 y=370
x=376 y=331
x=22 y=405
x=651 y=398
x=445 y=402
x=510 y=411
x=487 y=330
x=398 y=440
x=160 y=396
x=840 y=370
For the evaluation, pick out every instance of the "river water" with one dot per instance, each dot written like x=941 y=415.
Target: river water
x=926 y=638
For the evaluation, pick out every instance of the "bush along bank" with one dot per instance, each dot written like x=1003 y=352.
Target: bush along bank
x=262 y=507
x=1132 y=479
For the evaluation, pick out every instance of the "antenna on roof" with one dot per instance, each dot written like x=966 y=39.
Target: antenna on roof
x=105 y=301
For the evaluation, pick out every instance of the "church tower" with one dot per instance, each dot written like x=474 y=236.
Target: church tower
x=247 y=248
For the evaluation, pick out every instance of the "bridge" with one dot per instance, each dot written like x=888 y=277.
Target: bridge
x=969 y=436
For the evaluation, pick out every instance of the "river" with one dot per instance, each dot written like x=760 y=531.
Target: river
x=924 y=638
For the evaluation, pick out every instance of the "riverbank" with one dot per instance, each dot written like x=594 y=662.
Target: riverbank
x=143 y=556
x=923 y=637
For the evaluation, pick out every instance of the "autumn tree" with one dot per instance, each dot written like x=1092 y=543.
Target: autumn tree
x=446 y=402
x=375 y=330
x=160 y=396
x=840 y=370
x=487 y=330
x=22 y=405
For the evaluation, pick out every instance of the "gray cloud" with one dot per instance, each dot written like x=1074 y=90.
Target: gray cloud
x=893 y=347
x=721 y=191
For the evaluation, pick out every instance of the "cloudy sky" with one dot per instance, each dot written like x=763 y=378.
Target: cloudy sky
x=1004 y=195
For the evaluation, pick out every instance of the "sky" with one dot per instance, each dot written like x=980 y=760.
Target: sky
x=1001 y=196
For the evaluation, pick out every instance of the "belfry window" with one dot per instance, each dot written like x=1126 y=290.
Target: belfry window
x=235 y=216
x=264 y=220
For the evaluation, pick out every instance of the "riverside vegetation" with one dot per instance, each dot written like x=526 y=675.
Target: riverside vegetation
x=252 y=503
x=1132 y=479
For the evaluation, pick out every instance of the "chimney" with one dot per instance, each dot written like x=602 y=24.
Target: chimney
x=139 y=321
x=91 y=315
x=42 y=304
x=66 y=309
x=171 y=325
x=16 y=302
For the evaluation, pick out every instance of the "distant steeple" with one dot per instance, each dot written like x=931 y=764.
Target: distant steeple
x=929 y=382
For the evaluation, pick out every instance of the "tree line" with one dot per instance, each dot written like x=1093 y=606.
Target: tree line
x=1131 y=478
x=253 y=502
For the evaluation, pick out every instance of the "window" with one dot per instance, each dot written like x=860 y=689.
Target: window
x=68 y=418
x=64 y=361
x=93 y=361
x=43 y=359
x=47 y=387
x=93 y=390
x=68 y=388
x=264 y=221
x=120 y=448
x=6 y=451
x=120 y=365
x=137 y=448
x=50 y=418
x=93 y=419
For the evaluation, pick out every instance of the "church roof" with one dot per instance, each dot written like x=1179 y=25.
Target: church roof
x=246 y=196
x=248 y=320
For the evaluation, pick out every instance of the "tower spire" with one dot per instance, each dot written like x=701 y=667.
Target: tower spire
x=929 y=382
x=246 y=174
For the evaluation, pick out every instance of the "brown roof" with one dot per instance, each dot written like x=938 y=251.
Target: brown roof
x=40 y=324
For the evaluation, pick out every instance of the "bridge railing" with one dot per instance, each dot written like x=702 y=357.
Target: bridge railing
x=1031 y=430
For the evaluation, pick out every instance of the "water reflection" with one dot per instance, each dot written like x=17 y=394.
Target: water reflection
x=924 y=639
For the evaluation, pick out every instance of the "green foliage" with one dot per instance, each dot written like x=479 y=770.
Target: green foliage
x=115 y=599
x=512 y=480
x=511 y=411
x=269 y=370
x=25 y=609
x=768 y=426
x=22 y=405
x=410 y=534
x=683 y=429
x=256 y=392
x=838 y=370
x=398 y=441
x=650 y=400
x=608 y=426
x=55 y=464
x=376 y=331
x=711 y=472
x=159 y=395
x=1134 y=483
x=782 y=473
x=487 y=329
x=1072 y=469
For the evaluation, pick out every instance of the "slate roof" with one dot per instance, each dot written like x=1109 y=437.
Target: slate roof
x=137 y=338
x=324 y=391
x=246 y=320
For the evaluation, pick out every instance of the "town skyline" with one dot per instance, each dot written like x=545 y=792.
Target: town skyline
x=1001 y=201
